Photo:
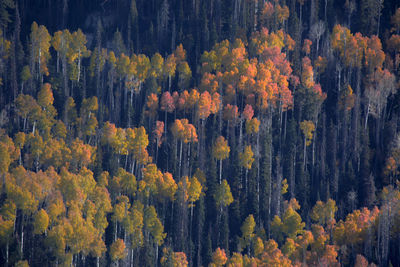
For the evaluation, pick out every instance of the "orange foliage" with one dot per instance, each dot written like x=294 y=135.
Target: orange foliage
x=219 y=257
x=182 y=101
x=272 y=256
x=307 y=46
x=307 y=76
x=184 y=131
x=180 y=54
x=152 y=104
x=193 y=98
x=355 y=227
x=205 y=102
x=216 y=103
x=230 y=112
x=320 y=64
x=158 y=132
x=268 y=10
x=282 y=13
x=374 y=55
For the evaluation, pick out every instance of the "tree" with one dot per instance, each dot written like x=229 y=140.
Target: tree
x=6 y=230
x=27 y=108
x=219 y=258
x=151 y=174
x=371 y=14
x=167 y=186
x=167 y=104
x=235 y=260
x=204 y=108
x=184 y=74
x=231 y=113
x=127 y=182
x=117 y=250
x=186 y=133
x=246 y=158
x=354 y=227
x=194 y=191
x=252 y=126
x=247 y=229
x=220 y=152
x=152 y=104
x=361 y=261
x=308 y=128
x=138 y=140
x=45 y=96
x=40 y=54
x=157 y=63
x=82 y=154
x=175 y=259
x=317 y=30
x=154 y=226
x=41 y=222
x=307 y=46
x=158 y=133
x=324 y=213
x=290 y=225
x=248 y=112
x=223 y=196
x=5 y=159
x=382 y=85
x=307 y=76
x=169 y=69
x=88 y=118
x=79 y=51
x=101 y=199
x=272 y=255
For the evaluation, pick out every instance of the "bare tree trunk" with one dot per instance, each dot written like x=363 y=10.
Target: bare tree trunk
x=7 y=248
x=304 y=154
x=79 y=65
x=220 y=170
x=64 y=13
x=380 y=3
x=22 y=237
x=180 y=159
x=366 y=115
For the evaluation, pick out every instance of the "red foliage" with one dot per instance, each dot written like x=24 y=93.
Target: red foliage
x=167 y=102
x=248 y=112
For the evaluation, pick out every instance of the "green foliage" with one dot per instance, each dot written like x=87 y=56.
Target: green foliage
x=289 y=225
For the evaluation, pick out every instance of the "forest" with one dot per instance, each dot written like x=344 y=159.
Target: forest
x=200 y=133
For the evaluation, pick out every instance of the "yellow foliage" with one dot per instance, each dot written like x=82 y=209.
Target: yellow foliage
x=308 y=128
